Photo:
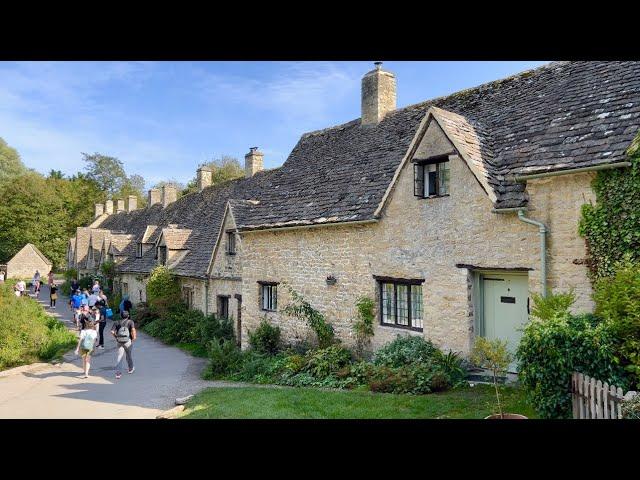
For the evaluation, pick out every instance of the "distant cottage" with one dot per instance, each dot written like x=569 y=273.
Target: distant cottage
x=25 y=263
x=448 y=213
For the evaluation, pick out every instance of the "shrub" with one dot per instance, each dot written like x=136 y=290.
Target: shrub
x=551 y=350
x=224 y=358
x=631 y=408
x=326 y=361
x=143 y=314
x=618 y=301
x=302 y=309
x=163 y=290
x=363 y=325
x=452 y=366
x=265 y=339
x=493 y=355
x=552 y=305
x=406 y=350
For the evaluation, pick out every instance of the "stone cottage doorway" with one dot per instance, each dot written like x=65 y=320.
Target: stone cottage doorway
x=502 y=306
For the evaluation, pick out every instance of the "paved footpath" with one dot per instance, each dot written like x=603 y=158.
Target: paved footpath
x=162 y=374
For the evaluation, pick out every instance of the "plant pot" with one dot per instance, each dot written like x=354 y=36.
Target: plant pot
x=506 y=416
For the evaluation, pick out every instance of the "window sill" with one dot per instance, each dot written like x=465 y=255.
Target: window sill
x=265 y=310
x=401 y=327
x=430 y=197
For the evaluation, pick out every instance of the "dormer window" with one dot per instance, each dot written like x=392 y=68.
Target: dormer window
x=231 y=243
x=139 y=250
x=431 y=178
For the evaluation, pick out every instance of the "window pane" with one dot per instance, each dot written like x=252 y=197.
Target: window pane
x=274 y=297
x=403 y=304
x=388 y=303
x=443 y=176
x=416 y=306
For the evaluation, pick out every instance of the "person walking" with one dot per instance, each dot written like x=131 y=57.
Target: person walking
x=103 y=306
x=124 y=331
x=125 y=304
x=93 y=298
x=96 y=287
x=36 y=283
x=50 y=279
x=1 y=276
x=85 y=297
x=75 y=302
x=53 y=296
x=22 y=287
x=86 y=342
x=75 y=285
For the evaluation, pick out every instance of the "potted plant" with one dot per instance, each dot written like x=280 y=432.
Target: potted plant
x=494 y=356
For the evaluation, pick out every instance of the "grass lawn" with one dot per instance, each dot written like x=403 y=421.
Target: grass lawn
x=253 y=402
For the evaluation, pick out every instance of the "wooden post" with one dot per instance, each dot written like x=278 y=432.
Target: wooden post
x=580 y=396
x=605 y=400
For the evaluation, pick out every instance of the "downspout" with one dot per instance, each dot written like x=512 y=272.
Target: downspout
x=206 y=296
x=543 y=248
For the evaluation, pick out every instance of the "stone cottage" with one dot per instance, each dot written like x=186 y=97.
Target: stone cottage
x=448 y=213
x=23 y=265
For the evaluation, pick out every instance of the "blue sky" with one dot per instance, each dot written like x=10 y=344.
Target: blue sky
x=163 y=119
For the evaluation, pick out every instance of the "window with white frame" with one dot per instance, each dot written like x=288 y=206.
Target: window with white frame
x=269 y=296
x=401 y=303
x=431 y=178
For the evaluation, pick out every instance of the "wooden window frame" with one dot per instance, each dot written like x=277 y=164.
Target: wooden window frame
x=395 y=282
x=274 y=298
x=231 y=243
x=418 y=176
x=222 y=298
x=139 y=250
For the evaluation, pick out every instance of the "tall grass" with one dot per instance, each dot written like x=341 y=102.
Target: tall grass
x=27 y=333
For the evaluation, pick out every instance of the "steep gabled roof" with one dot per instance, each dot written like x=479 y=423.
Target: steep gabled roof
x=31 y=246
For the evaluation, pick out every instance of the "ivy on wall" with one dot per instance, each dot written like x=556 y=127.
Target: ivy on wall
x=611 y=227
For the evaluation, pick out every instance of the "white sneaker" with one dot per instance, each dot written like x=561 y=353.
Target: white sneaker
x=132 y=370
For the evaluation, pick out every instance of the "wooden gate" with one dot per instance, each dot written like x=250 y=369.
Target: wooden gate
x=594 y=399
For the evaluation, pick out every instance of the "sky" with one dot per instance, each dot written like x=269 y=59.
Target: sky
x=163 y=119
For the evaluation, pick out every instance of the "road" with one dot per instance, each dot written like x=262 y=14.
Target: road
x=162 y=374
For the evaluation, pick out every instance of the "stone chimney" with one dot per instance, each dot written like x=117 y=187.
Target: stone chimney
x=132 y=203
x=169 y=194
x=108 y=207
x=99 y=210
x=120 y=207
x=154 y=197
x=253 y=162
x=378 y=95
x=204 y=175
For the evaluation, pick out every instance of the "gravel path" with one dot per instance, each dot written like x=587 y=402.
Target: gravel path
x=162 y=374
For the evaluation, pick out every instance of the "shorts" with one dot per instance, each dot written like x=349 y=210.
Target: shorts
x=84 y=351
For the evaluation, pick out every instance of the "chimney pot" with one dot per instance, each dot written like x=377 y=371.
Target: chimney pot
x=378 y=95
x=253 y=162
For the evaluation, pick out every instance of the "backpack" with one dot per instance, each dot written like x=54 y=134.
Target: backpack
x=123 y=334
x=89 y=340
x=108 y=313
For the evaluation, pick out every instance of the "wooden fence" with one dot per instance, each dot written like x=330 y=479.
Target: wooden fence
x=594 y=399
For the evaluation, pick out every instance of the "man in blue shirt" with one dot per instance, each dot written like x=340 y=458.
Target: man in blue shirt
x=76 y=303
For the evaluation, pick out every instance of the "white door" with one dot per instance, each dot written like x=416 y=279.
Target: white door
x=505 y=299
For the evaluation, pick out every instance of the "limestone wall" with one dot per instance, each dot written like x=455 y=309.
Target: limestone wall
x=420 y=238
x=25 y=263
x=136 y=285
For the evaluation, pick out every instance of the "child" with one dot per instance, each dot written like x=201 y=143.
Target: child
x=53 y=296
x=85 y=345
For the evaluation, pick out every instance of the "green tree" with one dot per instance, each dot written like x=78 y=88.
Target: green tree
x=56 y=174
x=10 y=163
x=107 y=172
x=134 y=185
x=224 y=169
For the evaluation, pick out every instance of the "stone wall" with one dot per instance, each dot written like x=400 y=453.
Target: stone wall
x=420 y=238
x=137 y=286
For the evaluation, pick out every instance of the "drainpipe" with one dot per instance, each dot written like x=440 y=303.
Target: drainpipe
x=206 y=296
x=543 y=248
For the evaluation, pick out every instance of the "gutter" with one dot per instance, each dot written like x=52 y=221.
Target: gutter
x=608 y=166
x=542 y=229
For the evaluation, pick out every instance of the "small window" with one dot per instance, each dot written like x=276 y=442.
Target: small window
x=269 y=296
x=188 y=296
x=401 y=304
x=139 y=251
x=431 y=179
x=125 y=288
x=231 y=243
x=162 y=255
x=223 y=306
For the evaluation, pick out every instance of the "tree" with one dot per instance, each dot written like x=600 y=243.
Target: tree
x=107 y=172
x=224 y=169
x=10 y=163
x=134 y=185
x=56 y=174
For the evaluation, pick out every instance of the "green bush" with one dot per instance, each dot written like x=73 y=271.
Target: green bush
x=363 y=326
x=224 y=359
x=551 y=350
x=163 y=290
x=323 y=362
x=618 y=301
x=406 y=350
x=552 y=305
x=631 y=408
x=27 y=333
x=265 y=339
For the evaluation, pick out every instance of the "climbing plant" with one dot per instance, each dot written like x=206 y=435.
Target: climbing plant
x=611 y=227
x=363 y=325
x=302 y=309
